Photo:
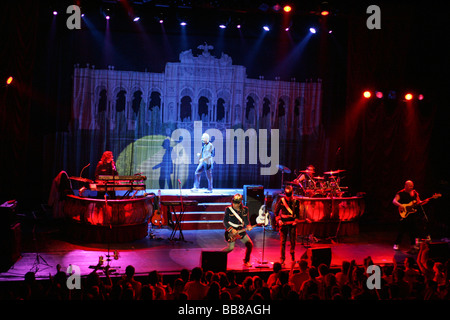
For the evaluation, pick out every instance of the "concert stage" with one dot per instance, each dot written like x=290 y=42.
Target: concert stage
x=170 y=257
x=159 y=250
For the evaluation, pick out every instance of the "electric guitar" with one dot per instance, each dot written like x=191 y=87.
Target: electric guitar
x=293 y=222
x=406 y=209
x=233 y=234
x=263 y=214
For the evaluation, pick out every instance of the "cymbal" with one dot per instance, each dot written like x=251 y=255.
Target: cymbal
x=306 y=171
x=334 y=172
x=284 y=169
x=319 y=178
x=80 y=179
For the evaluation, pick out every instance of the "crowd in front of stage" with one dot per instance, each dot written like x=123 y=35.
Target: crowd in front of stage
x=421 y=279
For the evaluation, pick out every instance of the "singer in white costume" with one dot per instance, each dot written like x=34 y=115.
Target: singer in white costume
x=205 y=164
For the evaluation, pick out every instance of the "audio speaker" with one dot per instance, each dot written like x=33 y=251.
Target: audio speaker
x=215 y=261
x=253 y=199
x=317 y=256
x=439 y=251
x=10 y=252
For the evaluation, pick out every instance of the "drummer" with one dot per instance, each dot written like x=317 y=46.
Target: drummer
x=306 y=177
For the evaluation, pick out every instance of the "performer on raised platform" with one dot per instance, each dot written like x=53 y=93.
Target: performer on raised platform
x=408 y=222
x=236 y=224
x=306 y=178
x=287 y=214
x=105 y=167
x=205 y=164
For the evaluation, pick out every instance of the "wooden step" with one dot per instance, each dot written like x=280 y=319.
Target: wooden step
x=203 y=216
x=202 y=224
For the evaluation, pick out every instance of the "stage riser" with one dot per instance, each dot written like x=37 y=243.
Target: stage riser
x=195 y=225
x=203 y=216
x=207 y=215
x=205 y=198
x=205 y=208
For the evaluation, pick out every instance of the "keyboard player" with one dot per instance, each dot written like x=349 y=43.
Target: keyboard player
x=106 y=166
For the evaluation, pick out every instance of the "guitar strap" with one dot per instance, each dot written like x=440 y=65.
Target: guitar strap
x=236 y=215
x=286 y=206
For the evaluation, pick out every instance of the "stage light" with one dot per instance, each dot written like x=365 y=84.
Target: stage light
x=238 y=26
x=312 y=30
x=266 y=28
x=408 y=96
x=367 y=94
x=420 y=97
x=379 y=94
x=107 y=17
x=183 y=23
x=276 y=7
x=222 y=26
x=55 y=13
x=287 y=9
x=9 y=80
x=136 y=19
x=161 y=21
x=286 y=29
x=324 y=13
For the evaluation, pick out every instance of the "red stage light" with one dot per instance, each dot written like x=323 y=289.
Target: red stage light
x=379 y=94
x=9 y=80
x=325 y=13
x=408 y=96
x=287 y=8
x=367 y=94
x=420 y=97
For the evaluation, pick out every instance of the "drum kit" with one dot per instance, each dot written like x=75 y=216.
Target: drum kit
x=319 y=186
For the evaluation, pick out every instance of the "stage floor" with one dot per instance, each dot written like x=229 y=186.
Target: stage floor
x=168 y=257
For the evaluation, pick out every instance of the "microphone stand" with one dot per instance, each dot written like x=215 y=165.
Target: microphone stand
x=181 y=197
x=84 y=168
x=263 y=263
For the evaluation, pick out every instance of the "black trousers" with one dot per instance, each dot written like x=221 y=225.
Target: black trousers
x=408 y=226
x=285 y=231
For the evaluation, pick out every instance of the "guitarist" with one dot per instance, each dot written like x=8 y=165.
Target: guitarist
x=408 y=224
x=236 y=224
x=287 y=215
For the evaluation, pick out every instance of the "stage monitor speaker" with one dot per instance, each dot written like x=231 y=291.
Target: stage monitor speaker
x=214 y=261
x=439 y=251
x=8 y=216
x=317 y=256
x=10 y=244
x=253 y=199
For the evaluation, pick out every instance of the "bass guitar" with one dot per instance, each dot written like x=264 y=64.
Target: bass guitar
x=293 y=222
x=406 y=209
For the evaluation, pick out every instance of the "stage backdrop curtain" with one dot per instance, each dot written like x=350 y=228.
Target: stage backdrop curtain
x=388 y=140
x=153 y=122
